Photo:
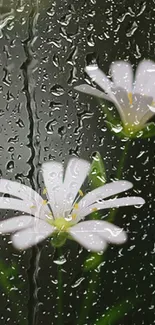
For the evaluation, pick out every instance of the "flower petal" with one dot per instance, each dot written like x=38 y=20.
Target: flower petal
x=124 y=107
x=141 y=108
x=32 y=236
x=122 y=75
x=114 y=203
x=99 y=77
x=92 y=91
x=53 y=178
x=16 y=223
x=15 y=204
x=88 y=240
x=104 y=229
x=152 y=109
x=76 y=172
x=104 y=191
x=19 y=190
x=102 y=81
x=145 y=78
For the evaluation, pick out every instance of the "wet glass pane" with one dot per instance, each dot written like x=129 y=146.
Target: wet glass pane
x=56 y=105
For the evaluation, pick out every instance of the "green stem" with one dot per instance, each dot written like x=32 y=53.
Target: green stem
x=93 y=279
x=122 y=160
x=60 y=291
x=87 y=303
x=119 y=172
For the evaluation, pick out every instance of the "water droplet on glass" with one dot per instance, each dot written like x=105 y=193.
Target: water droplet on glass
x=57 y=90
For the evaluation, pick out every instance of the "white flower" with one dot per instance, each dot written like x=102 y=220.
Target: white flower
x=60 y=217
x=134 y=99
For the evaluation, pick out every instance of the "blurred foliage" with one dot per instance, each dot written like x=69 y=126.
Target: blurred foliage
x=7 y=274
x=117 y=312
x=97 y=175
x=97 y=178
x=92 y=261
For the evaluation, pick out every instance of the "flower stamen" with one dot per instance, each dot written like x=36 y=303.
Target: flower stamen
x=80 y=193
x=94 y=209
x=74 y=215
x=130 y=98
x=76 y=206
x=45 y=190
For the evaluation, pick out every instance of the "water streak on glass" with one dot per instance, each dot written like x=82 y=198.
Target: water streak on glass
x=28 y=68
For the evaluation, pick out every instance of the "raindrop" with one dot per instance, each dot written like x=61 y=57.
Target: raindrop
x=11 y=149
x=52 y=175
x=2 y=112
x=62 y=260
x=49 y=127
x=56 y=60
x=20 y=6
x=55 y=106
x=65 y=20
x=132 y=29
x=14 y=139
x=10 y=166
x=57 y=90
x=51 y=10
x=62 y=131
x=20 y=123
x=91 y=40
x=78 y=282
x=6 y=15
x=117 y=128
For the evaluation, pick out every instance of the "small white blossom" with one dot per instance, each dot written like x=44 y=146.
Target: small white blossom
x=134 y=98
x=60 y=216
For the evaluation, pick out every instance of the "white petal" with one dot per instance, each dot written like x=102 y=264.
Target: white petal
x=19 y=190
x=152 y=109
x=122 y=75
x=132 y=113
x=145 y=78
x=140 y=108
x=31 y=202
x=103 y=192
x=92 y=91
x=16 y=223
x=100 y=79
x=15 y=204
x=39 y=211
x=115 y=203
x=76 y=172
x=32 y=236
x=53 y=178
x=104 y=229
x=123 y=106
x=88 y=240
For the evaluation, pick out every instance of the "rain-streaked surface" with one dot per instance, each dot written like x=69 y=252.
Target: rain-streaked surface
x=44 y=48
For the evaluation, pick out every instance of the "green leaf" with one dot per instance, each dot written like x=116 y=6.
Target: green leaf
x=97 y=175
x=147 y=132
x=97 y=178
x=112 y=116
x=92 y=262
x=117 y=312
x=117 y=128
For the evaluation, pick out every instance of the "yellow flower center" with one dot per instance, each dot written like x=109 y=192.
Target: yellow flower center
x=61 y=224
